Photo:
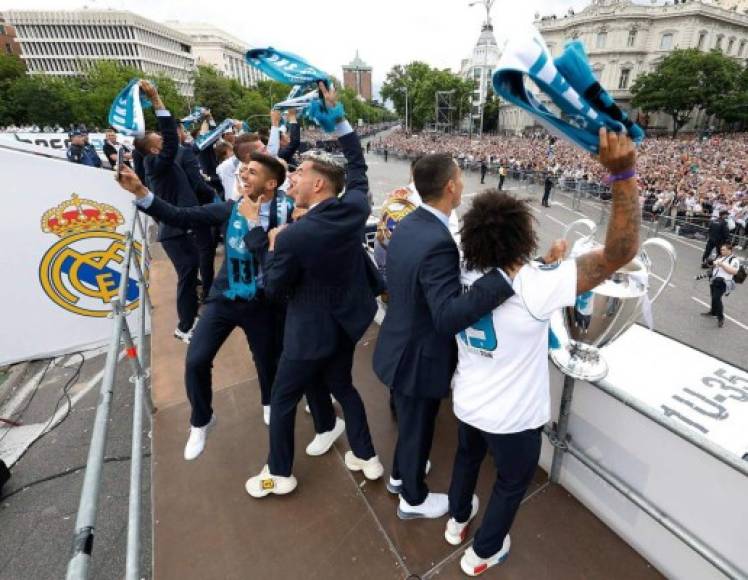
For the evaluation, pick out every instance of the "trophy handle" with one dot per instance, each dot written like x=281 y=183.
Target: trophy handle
x=589 y=224
x=668 y=248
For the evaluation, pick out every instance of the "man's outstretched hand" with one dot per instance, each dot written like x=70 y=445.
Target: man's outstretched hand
x=150 y=91
x=130 y=181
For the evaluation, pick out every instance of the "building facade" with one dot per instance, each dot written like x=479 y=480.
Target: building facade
x=625 y=39
x=8 y=41
x=357 y=77
x=479 y=68
x=212 y=46
x=65 y=42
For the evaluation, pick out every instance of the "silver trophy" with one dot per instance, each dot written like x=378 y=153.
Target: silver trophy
x=604 y=313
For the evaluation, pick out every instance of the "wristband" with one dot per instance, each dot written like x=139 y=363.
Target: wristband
x=628 y=174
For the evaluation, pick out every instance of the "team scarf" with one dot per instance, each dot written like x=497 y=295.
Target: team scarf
x=126 y=113
x=207 y=139
x=195 y=116
x=240 y=263
x=285 y=67
x=571 y=85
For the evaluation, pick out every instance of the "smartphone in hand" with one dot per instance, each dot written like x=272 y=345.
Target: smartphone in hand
x=120 y=160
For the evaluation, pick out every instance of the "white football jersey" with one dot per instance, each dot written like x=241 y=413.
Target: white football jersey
x=501 y=383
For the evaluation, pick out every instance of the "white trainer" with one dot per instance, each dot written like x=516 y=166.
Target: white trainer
x=456 y=532
x=266 y=414
x=323 y=441
x=265 y=483
x=434 y=506
x=185 y=337
x=372 y=468
x=473 y=565
x=196 y=441
x=395 y=486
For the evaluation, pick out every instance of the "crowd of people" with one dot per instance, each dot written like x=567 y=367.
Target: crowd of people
x=690 y=180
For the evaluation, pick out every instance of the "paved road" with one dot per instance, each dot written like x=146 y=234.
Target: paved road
x=676 y=314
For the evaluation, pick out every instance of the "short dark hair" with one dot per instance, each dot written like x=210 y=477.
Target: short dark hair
x=222 y=150
x=274 y=167
x=431 y=174
x=110 y=129
x=728 y=244
x=243 y=145
x=497 y=231
x=141 y=143
x=334 y=173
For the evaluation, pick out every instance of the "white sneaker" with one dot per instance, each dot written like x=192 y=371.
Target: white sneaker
x=456 y=532
x=196 y=441
x=395 y=486
x=434 y=506
x=185 y=337
x=323 y=441
x=264 y=483
x=473 y=565
x=266 y=414
x=372 y=468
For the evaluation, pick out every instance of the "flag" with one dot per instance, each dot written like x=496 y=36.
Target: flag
x=126 y=112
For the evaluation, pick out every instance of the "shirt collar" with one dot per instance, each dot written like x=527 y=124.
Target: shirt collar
x=439 y=215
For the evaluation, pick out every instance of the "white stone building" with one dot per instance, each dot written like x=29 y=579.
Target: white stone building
x=64 y=42
x=625 y=39
x=212 y=46
x=480 y=66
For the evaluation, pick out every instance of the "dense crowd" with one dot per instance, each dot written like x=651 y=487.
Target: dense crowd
x=688 y=178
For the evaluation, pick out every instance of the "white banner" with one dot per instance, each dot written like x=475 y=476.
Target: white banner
x=62 y=246
x=700 y=391
x=59 y=141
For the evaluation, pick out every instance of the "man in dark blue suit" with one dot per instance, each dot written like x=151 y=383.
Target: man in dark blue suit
x=168 y=181
x=416 y=352
x=319 y=262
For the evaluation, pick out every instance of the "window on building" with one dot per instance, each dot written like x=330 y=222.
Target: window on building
x=632 y=38
x=623 y=81
x=702 y=40
x=666 y=42
x=602 y=37
x=730 y=45
x=741 y=48
x=718 y=43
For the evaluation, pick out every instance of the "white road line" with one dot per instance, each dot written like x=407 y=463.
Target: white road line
x=661 y=279
x=730 y=318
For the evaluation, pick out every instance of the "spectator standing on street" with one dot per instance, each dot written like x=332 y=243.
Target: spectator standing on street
x=82 y=152
x=385 y=154
x=718 y=234
x=548 y=185
x=502 y=175
x=483 y=170
x=725 y=267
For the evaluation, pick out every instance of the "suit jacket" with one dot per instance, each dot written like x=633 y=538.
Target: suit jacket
x=320 y=265
x=294 y=135
x=188 y=162
x=416 y=352
x=166 y=178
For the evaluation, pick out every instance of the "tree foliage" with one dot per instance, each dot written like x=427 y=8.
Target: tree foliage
x=686 y=82
x=422 y=82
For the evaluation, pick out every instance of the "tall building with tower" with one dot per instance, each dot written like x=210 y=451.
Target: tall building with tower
x=357 y=77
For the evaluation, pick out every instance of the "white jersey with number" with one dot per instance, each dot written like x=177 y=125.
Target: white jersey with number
x=501 y=382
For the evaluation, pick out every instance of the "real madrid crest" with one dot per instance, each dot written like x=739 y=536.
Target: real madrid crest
x=81 y=271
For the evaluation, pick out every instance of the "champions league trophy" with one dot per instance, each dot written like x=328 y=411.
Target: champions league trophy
x=604 y=313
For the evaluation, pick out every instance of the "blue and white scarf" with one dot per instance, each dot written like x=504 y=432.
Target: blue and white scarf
x=195 y=116
x=569 y=82
x=126 y=112
x=285 y=67
x=240 y=263
x=207 y=139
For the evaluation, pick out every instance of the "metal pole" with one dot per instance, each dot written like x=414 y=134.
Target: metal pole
x=715 y=559
x=559 y=445
x=85 y=521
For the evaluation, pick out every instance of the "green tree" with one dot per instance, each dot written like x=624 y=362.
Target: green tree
x=422 y=82
x=732 y=106
x=11 y=70
x=491 y=112
x=684 y=83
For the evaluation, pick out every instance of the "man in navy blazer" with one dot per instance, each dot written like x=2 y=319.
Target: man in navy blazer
x=320 y=265
x=416 y=352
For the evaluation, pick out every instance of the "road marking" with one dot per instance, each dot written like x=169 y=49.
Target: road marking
x=730 y=318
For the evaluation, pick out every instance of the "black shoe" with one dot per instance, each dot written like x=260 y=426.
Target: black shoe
x=710 y=313
x=720 y=322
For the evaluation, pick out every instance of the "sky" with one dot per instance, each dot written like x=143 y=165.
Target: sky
x=327 y=34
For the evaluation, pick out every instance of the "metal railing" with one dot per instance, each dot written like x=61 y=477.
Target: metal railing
x=562 y=444
x=85 y=523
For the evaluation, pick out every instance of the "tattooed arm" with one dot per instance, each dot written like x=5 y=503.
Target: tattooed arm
x=618 y=155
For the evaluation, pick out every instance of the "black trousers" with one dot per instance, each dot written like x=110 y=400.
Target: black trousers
x=321 y=377
x=501 y=181
x=183 y=253
x=206 y=246
x=718 y=288
x=482 y=175
x=710 y=245
x=416 y=419
x=546 y=195
x=516 y=457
